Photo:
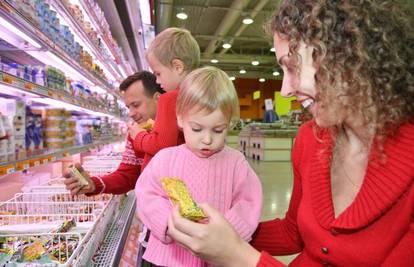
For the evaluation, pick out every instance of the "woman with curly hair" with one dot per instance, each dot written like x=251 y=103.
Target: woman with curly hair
x=351 y=64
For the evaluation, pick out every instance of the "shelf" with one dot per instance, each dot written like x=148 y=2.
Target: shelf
x=50 y=156
x=92 y=16
x=106 y=62
x=49 y=52
x=15 y=86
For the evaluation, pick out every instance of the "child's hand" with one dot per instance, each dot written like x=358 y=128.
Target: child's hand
x=73 y=185
x=134 y=129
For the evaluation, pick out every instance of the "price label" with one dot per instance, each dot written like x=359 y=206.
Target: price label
x=7 y=79
x=52 y=159
x=36 y=163
x=28 y=86
x=26 y=166
x=45 y=161
x=10 y=170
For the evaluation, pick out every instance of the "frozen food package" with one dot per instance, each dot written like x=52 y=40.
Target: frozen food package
x=179 y=195
x=76 y=173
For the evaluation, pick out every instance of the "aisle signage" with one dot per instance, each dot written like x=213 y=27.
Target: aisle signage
x=256 y=95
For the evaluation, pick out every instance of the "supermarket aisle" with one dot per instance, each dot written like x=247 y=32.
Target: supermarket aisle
x=277 y=181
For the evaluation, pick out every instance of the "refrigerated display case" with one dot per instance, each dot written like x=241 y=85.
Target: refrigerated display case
x=59 y=68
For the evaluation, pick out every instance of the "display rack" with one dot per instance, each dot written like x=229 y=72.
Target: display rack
x=112 y=246
x=107 y=62
x=34 y=161
x=71 y=66
x=22 y=87
x=92 y=16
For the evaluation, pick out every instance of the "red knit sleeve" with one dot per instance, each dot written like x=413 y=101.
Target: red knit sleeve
x=165 y=132
x=120 y=181
x=266 y=260
x=281 y=236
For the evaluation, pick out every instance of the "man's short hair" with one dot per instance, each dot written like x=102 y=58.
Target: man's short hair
x=148 y=81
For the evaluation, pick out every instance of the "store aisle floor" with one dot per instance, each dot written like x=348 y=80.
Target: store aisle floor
x=277 y=181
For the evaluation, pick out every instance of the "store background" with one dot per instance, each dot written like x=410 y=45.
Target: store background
x=61 y=62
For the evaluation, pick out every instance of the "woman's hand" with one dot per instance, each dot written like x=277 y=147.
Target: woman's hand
x=215 y=241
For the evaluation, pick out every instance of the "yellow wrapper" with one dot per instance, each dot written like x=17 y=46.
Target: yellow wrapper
x=178 y=193
x=76 y=173
x=147 y=125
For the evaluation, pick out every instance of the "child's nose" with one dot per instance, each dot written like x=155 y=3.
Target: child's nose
x=207 y=139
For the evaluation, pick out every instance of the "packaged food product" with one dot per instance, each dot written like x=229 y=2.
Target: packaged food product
x=147 y=125
x=179 y=195
x=33 y=251
x=66 y=226
x=76 y=173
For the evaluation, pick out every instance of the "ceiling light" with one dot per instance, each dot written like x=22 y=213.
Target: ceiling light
x=232 y=78
x=242 y=71
x=247 y=20
x=276 y=73
x=262 y=80
x=272 y=49
x=214 y=61
x=255 y=62
x=182 y=15
x=226 y=45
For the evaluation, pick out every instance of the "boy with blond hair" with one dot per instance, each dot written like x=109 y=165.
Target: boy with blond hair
x=213 y=172
x=171 y=55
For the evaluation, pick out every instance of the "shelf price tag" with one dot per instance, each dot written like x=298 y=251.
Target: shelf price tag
x=23 y=165
x=10 y=170
x=66 y=153
x=7 y=79
x=44 y=160
x=34 y=163
x=28 y=86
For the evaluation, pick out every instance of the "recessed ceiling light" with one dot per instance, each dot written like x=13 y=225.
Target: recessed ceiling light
x=272 y=49
x=182 y=15
x=262 y=80
x=276 y=73
x=247 y=20
x=232 y=78
x=255 y=62
x=214 y=61
x=226 y=45
x=242 y=71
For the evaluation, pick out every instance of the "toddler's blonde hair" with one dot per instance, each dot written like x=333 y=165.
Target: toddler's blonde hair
x=175 y=43
x=208 y=88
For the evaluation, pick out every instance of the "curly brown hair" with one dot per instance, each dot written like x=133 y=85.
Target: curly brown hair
x=364 y=52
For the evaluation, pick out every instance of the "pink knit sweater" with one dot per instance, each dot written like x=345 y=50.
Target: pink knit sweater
x=225 y=180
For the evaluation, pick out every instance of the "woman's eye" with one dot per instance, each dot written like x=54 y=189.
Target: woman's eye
x=196 y=130
x=218 y=131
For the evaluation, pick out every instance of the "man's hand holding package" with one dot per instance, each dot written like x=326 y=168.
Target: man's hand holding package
x=75 y=185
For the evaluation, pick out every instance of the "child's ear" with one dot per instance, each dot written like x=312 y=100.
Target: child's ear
x=156 y=95
x=180 y=121
x=178 y=65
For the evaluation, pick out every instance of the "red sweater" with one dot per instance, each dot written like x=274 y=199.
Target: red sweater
x=125 y=177
x=165 y=132
x=377 y=229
